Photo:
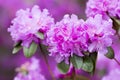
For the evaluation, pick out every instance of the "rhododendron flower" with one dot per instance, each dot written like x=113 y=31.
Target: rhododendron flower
x=100 y=32
x=113 y=75
x=103 y=7
x=28 y=22
x=67 y=37
x=30 y=71
x=74 y=36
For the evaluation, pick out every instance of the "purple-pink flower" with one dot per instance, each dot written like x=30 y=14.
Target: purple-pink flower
x=28 y=22
x=103 y=7
x=99 y=32
x=76 y=36
x=30 y=71
x=67 y=37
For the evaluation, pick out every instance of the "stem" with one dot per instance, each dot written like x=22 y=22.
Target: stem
x=74 y=73
x=117 y=61
x=47 y=63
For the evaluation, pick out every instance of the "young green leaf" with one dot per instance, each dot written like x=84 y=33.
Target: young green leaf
x=116 y=24
x=88 y=65
x=40 y=35
x=28 y=52
x=16 y=49
x=63 y=67
x=77 y=61
x=93 y=57
x=43 y=49
x=110 y=53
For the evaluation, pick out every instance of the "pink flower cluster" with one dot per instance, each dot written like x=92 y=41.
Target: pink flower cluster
x=76 y=36
x=100 y=32
x=103 y=7
x=28 y=22
x=65 y=38
x=30 y=71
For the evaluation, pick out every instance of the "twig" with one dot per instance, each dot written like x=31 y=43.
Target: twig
x=117 y=61
x=47 y=63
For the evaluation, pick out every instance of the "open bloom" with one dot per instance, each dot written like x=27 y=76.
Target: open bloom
x=100 y=32
x=67 y=37
x=76 y=36
x=103 y=7
x=28 y=22
x=30 y=71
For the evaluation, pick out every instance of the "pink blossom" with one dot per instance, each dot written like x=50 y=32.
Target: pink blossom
x=67 y=37
x=100 y=32
x=76 y=36
x=30 y=71
x=103 y=7
x=28 y=22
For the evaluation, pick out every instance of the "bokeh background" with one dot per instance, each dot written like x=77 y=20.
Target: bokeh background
x=8 y=8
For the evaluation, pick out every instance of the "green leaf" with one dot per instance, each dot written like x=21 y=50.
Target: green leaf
x=110 y=53
x=77 y=61
x=116 y=24
x=44 y=49
x=93 y=57
x=16 y=49
x=63 y=67
x=88 y=64
x=40 y=35
x=28 y=52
